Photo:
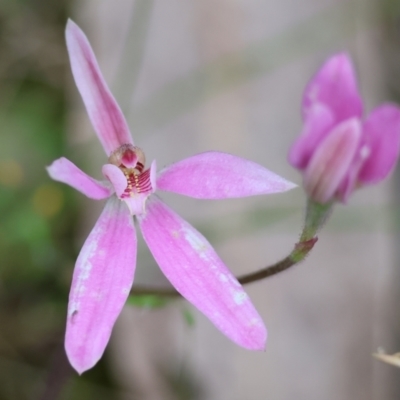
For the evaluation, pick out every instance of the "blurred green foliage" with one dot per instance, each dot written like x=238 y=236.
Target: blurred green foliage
x=147 y=301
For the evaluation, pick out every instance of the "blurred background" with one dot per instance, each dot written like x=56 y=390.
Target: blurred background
x=193 y=76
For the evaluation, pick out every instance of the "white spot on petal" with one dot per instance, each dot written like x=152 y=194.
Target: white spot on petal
x=239 y=298
x=125 y=291
x=85 y=266
x=196 y=242
x=235 y=281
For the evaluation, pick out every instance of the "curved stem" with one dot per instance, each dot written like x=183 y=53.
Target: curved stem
x=299 y=253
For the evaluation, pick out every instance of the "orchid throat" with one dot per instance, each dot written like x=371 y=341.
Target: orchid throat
x=140 y=183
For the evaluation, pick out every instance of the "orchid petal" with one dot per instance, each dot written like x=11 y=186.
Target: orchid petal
x=331 y=161
x=116 y=177
x=198 y=274
x=318 y=123
x=335 y=85
x=101 y=283
x=104 y=112
x=215 y=175
x=63 y=170
x=382 y=138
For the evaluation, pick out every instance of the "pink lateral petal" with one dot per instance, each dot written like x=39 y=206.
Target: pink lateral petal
x=318 y=123
x=198 y=274
x=331 y=162
x=101 y=283
x=215 y=175
x=116 y=177
x=104 y=112
x=335 y=85
x=382 y=138
x=65 y=171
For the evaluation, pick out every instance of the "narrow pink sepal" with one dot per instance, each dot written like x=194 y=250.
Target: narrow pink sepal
x=116 y=177
x=318 y=123
x=101 y=283
x=104 y=112
x=382 y=138
x=65 y=171
x=198 y=274
x=215 y=175
x=332 y=160
x=335 y=85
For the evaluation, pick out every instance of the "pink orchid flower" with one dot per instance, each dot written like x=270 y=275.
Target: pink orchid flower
x=105 y=267
x=337 y=151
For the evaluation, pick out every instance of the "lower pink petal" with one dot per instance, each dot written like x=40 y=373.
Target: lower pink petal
x=101 y=283
x=65 y=171
x=382 y=138
x=215 y=175
x=198 y=274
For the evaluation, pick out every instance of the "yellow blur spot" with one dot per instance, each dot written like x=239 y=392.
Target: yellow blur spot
x=11 y=173
x=47 y=200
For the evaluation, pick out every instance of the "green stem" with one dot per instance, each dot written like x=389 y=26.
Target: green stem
x=316 y=216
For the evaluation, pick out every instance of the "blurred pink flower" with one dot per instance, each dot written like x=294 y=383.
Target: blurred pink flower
x=337 y=151
x=105 y=267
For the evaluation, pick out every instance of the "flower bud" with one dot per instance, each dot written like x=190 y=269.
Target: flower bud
x=336 y=152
